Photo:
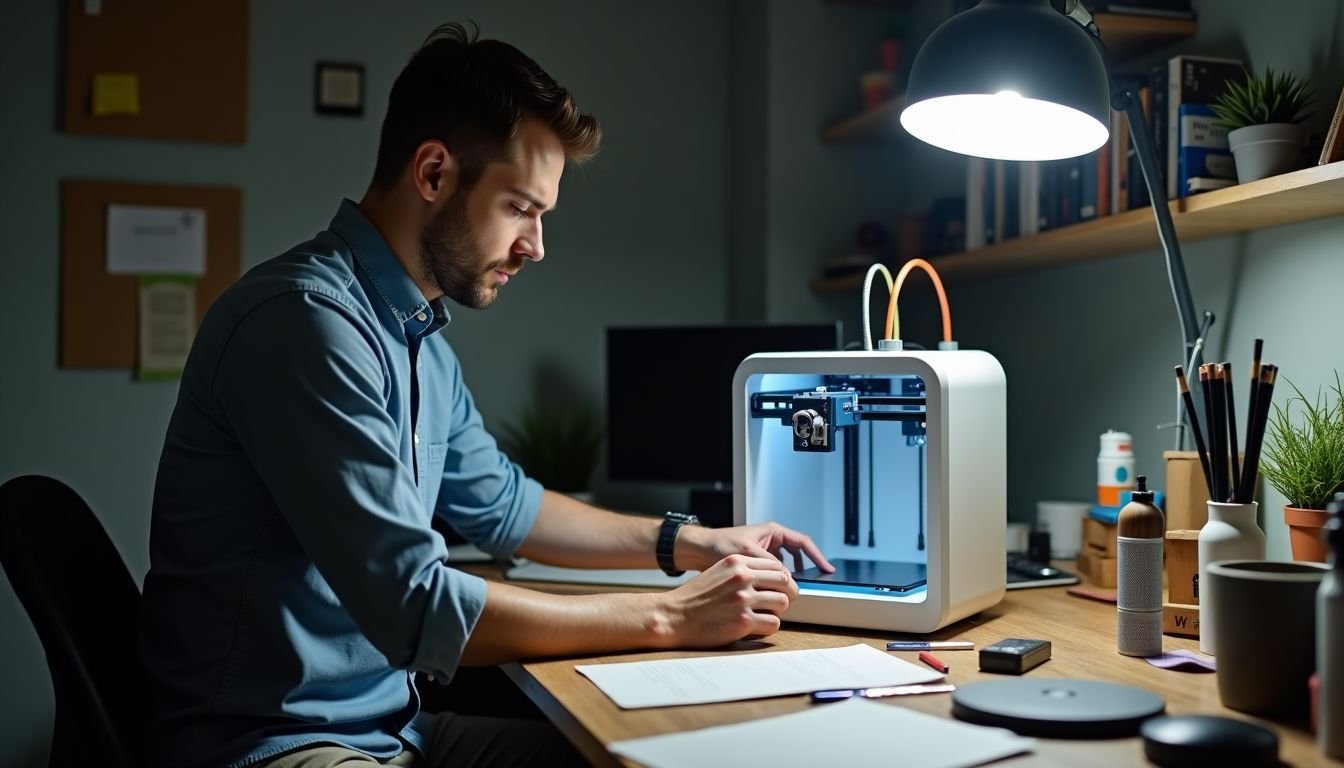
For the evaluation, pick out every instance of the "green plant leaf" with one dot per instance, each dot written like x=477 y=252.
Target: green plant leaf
x=557 y=447
x=1274 y=97
x=1304 y=456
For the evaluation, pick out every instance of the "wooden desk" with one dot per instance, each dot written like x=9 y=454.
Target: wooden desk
x=1082 y=633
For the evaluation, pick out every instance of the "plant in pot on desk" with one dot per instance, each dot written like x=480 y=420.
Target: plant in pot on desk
x=557 y=447
x=1264 y=121
x=1304 y=460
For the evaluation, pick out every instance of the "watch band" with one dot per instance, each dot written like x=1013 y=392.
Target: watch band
x=667 y=538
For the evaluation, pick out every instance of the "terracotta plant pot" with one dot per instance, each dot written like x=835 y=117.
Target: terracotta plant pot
x=1304 y=533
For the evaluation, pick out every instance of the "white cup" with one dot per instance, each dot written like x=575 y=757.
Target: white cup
x=1064 y=521
x=1016 y=537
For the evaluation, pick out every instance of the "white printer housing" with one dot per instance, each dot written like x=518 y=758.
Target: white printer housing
x=947 y=484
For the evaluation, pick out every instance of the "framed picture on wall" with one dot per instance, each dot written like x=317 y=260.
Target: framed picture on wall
x=339 y=89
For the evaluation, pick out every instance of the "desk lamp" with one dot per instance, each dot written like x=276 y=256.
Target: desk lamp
x=1030 y=80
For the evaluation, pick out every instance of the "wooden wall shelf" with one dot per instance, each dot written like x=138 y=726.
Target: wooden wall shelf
x=1311 y=193
x=1126 y=37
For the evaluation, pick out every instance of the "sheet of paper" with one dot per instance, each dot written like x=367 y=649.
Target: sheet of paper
x=854 y=732
x=673 y=682
x=115 y=93
x=167 y=319
x=621 y=577
x=155 y=240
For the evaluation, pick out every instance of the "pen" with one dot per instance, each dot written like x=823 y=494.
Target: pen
x=822 y=697
x=934 y=645
x=933 y=661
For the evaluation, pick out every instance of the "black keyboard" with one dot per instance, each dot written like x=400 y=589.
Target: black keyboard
x=1024 y=573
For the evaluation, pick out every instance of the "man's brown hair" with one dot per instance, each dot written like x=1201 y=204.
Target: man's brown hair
x=472 y=95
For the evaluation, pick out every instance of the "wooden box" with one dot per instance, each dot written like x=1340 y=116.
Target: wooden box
x=1180 y=620
x=1187 y=495
x=1100 y=571
x=1098 y=537
x=1181 y=555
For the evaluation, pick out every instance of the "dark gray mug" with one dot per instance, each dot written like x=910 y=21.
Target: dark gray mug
x=1264 y=617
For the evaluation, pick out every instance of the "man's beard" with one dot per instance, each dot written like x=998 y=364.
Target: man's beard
x=451 y=258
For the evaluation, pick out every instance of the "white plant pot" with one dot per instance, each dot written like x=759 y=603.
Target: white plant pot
x=1265 y=150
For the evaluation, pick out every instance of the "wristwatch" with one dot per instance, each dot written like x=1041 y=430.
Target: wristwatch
x=667 y=537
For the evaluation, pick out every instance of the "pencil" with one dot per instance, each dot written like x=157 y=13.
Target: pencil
x=1194 y=426
x=933 y=661
x=1230 y=390
x=1252 y=405
x=1268 y=375
x=1206 y=389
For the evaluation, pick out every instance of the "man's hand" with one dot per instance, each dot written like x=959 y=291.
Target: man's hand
x=738 y=596
x=699 y=548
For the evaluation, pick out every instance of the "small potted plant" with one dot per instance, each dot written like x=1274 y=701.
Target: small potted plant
x=1304 y=460
x=1264 y=121
x=557 y=447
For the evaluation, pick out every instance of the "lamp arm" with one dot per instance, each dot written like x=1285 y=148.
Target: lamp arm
x=1124 y=100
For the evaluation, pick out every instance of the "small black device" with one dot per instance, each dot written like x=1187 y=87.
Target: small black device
x=1014 y=655
x=667 y=538
x=1198 y=740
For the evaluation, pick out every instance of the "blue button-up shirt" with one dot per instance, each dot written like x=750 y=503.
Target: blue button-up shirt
x=294 y=579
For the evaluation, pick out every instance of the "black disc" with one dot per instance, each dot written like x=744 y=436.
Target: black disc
x=1199 y=740
x=1057 y=707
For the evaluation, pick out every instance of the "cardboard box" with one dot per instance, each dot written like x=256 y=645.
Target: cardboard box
x=1099 y=537
x=1180 y=620
x=1187 y=495
x=1181 y=554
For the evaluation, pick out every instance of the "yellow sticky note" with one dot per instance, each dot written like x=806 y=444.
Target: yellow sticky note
x=116 y=93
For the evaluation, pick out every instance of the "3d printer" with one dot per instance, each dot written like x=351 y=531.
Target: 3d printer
x=894 y=462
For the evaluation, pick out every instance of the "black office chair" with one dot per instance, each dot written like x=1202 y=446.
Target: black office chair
x=84 y=605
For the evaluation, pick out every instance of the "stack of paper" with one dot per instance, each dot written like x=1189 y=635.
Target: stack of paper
x=857 y=732
x=751 y=676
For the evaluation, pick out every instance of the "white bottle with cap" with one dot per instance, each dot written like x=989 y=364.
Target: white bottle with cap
x=1115 y=467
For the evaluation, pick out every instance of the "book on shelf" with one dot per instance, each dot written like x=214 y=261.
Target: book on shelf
x=1202 y=150
x=1154 y=9
x=1196 y=184
x=1188 y=80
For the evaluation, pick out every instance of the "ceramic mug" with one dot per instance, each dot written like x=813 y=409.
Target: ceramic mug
x=1265 y=622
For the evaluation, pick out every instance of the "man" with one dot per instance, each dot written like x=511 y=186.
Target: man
x=295 y=581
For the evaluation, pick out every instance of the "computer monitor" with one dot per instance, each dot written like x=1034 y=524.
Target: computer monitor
x=670 y=399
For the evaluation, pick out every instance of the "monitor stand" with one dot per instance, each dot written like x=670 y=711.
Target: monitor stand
x=714 y=506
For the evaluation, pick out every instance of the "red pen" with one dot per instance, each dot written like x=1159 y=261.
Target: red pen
x=933 y=661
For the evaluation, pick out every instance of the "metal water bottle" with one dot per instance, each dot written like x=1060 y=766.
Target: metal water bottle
x=1141 y=534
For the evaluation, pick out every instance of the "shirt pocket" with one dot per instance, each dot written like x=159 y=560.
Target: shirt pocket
x=431 y=473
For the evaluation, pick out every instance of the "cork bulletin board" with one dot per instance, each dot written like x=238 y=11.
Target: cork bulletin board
x=157 y=69
x=98 y=309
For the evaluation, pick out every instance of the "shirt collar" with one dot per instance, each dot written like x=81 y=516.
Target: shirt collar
x=389 y=278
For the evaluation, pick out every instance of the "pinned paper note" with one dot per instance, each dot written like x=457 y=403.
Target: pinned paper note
x=167 y=319
x=155 y=240
x=116 y=93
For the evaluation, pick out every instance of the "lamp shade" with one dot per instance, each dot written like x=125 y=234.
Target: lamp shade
x=1009 y=80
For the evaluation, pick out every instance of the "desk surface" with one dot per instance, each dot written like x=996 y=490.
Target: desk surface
x=1082 y=633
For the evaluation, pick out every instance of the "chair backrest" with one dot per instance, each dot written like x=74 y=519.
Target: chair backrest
x=85 y=607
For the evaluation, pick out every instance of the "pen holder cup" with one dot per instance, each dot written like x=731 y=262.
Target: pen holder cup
x=1265 y=621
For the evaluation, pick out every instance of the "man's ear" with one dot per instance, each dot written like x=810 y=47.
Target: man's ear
x=434 y=171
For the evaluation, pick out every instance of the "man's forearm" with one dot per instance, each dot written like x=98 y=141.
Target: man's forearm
x=573 y=534
x=520 y=624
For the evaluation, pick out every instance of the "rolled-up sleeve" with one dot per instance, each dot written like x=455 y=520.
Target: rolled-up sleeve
x=484 y=496
x=305 y=384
